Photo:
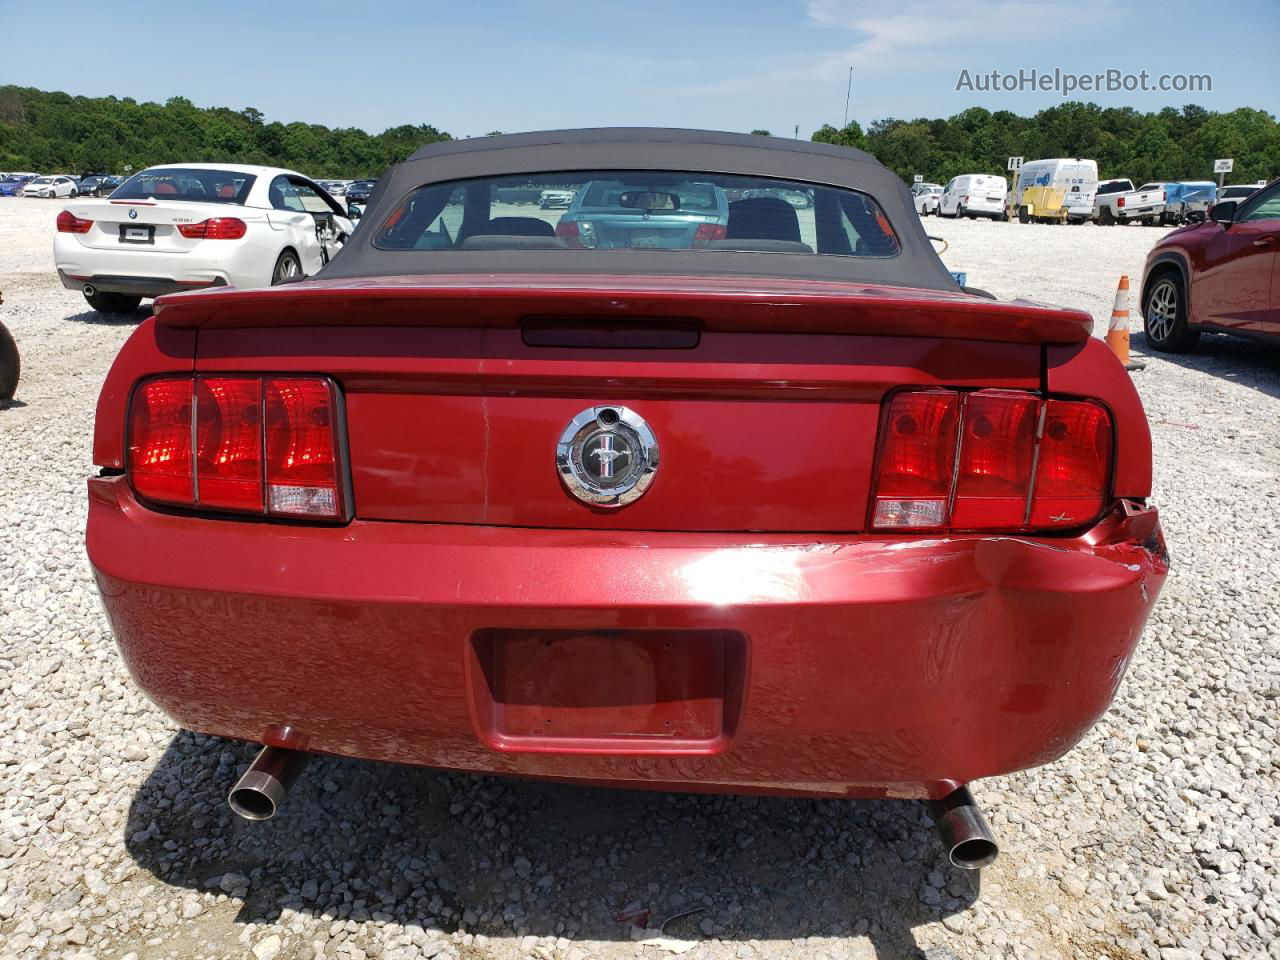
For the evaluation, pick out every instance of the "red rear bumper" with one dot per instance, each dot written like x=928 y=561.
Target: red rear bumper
x=855 y=665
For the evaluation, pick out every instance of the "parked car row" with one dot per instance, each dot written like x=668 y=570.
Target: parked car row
x=57 y=185
x=1067 y=190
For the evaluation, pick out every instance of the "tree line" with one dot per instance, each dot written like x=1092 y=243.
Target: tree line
x=1169 y=144
x=50 y=132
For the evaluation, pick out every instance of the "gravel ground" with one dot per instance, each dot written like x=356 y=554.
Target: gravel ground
x=1156 y=837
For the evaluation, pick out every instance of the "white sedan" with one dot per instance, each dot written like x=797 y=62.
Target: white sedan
x=50 y=187
x=181 y=227
x=926 y=197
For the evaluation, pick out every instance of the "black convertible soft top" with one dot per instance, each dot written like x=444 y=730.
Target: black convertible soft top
x=646 y=148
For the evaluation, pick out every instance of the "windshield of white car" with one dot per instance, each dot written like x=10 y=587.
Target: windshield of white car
x=39 y=180
x=642 y=210
x=191 y=184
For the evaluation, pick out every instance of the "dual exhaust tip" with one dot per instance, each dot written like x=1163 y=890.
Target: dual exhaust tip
x=259 y=793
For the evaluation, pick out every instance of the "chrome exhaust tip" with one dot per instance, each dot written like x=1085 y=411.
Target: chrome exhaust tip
x=964 y=831
x=259 y=793
x=90 y=289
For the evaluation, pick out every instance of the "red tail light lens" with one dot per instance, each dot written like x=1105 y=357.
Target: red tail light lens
x=302 y=462
x=160 y=441
x=997 y=453
x=215 y=228
x=229 y=443
x=261 y=445
x=68 y=222
x=708 y=232
x=917 y=458
x=1075 y=464
x=1119 y=201
x=991 y=460
x=567 y=230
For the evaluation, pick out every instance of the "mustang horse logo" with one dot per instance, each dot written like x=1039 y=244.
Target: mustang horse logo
x=606 y=453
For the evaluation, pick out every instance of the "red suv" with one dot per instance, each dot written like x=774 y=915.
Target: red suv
x=1222 y=275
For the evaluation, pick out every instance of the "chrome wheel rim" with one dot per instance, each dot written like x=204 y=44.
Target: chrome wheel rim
x=1162 y=310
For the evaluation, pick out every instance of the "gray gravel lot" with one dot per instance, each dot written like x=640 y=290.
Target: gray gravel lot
x=1157 y=837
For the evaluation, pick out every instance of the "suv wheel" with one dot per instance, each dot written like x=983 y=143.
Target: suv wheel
x=1164 y=315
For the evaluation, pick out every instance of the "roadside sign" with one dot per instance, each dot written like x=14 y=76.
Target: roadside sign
x=918 y=178
x=1015 y=163
x=1223 y=166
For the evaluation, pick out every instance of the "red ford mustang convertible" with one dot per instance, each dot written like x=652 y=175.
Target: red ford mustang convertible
x=712 y=480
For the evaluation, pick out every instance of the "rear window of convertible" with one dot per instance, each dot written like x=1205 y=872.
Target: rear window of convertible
x=647 y=210
x=186 y=183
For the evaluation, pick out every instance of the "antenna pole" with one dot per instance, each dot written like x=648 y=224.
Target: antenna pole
x=847 y=93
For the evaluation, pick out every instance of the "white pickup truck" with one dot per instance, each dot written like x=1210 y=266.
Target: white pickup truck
x=1117 y=202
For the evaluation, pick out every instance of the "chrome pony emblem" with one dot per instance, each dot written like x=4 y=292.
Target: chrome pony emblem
x=133 y=213
x=607 y=456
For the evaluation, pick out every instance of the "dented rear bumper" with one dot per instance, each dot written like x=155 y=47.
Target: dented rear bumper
x=855 y=665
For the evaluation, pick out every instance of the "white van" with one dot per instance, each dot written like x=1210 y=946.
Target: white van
x=1076 y=177
x=974 y=194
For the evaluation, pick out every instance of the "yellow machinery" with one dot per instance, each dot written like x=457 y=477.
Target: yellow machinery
x=1042 y=205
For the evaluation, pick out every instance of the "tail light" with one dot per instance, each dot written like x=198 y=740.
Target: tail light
x=215 y=228
x=991 y=460
x=708 y=232
x=567 y=230
x=68 y=222
x=1164 y=196
x=579 y=234
x=254 y=445
x=1119 y=201
x=964 y=199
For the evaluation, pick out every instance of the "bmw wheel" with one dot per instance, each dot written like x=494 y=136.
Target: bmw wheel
x=112 y=302
x=288 y=268
x=1164 y=315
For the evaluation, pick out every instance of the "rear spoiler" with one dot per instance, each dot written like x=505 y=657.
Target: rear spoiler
x=715 y=304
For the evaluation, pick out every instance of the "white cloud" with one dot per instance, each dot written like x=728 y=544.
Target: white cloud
x=920 y=27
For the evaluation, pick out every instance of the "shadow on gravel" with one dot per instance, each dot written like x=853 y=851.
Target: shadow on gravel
x=383 y=843
x=111 y=319
x=1252 y=363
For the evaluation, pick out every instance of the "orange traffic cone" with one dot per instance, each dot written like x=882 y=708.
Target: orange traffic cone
x=1118 y=331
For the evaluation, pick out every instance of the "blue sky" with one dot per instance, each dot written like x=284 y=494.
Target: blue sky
x=523 y=65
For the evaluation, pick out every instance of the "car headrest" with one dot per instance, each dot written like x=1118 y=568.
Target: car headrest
x=763 y=218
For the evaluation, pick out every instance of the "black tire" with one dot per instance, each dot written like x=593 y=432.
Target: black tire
x=1164 y=314
x=1023 y=215
x=287 y=269
x=74 y=193
x=113 y=302
x=1106 y=218
x=10 y=366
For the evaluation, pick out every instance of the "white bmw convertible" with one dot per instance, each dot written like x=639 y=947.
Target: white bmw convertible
x=182 y=227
